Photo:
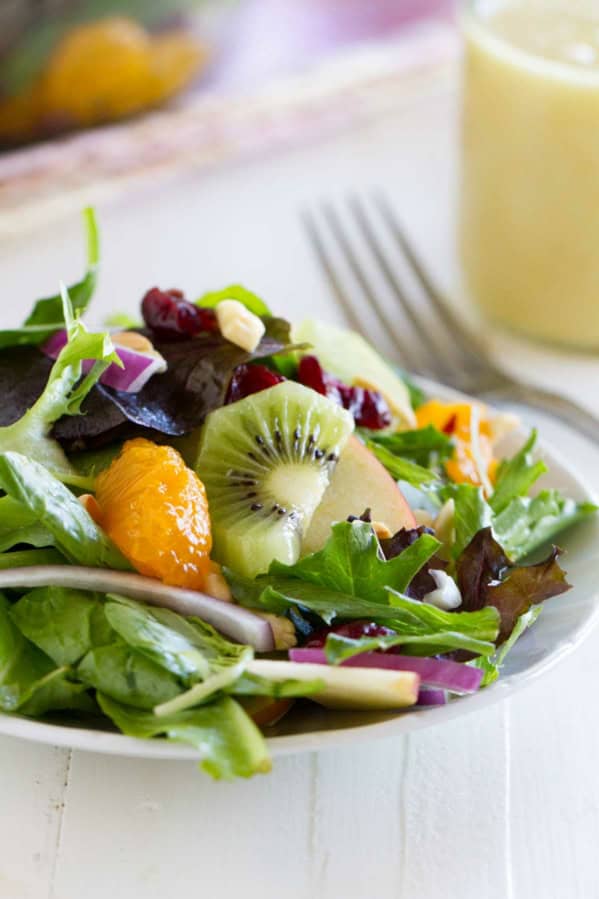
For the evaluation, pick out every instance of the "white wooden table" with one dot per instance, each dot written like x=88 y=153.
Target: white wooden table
x=503 y=803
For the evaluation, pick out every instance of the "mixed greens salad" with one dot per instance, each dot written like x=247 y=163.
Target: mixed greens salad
x=210 y=518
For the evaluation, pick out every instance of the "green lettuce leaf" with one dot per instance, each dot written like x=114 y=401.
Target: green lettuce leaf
x=74 y=531
x=228 y=741
x=516 y=476
x=491 y=665
x=472 y=513
x=235 y=292
x=351 y=562
x=402 y=469
x=529 y=523
x=47 y=315
x=427 y=447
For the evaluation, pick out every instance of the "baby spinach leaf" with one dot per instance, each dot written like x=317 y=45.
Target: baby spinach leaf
x=127 y=676
x=75 y=533
x=141 y=630
x=29 y=680
x=62 y=622
x=228 y=741
x=29 y=557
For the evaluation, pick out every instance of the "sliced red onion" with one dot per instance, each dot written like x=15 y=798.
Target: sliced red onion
x=137 y=368
x=428 y=697
x=228 y=618
x=443 y=673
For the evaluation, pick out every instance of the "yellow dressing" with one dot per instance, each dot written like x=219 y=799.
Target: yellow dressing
x=530 y=181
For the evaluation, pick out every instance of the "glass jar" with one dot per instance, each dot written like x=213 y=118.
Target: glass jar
x=529 y=229
x=68 y=64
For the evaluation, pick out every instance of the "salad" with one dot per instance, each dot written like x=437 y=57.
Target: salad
x=210 y=516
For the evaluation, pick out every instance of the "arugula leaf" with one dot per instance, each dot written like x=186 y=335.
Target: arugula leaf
x=426 y=447
x=75 y=533
x=127 y=676
x=64 y=623
x=62 y=395
x=528 y=523
x=351 y=562
x=403 y=469
x=235 y=292
x=516 y=476
x=47 y=314
x=227 y=739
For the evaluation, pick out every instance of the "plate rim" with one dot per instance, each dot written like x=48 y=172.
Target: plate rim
x=117 y=744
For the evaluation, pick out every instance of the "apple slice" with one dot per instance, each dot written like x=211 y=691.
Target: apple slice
x=346 y=688
x=359 y=482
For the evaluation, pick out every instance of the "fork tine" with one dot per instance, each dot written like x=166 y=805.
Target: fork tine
x=437 y=350
x=321 y=254
x=467 y=342
x=407 y=356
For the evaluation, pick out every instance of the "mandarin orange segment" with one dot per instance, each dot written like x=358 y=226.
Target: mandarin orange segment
x=155 y=510
x=455 y=419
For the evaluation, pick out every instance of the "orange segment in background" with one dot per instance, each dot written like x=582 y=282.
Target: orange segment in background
x=156 y=511
x=456 y=419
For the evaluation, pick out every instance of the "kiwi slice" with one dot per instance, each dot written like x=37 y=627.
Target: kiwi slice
x=266 y=462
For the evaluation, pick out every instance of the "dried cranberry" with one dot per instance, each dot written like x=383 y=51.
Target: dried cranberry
x=353 y=630
x=171 y=316
x=368 y=407
x=310 y=374
x=249 y=379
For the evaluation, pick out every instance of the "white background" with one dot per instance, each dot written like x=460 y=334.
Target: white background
x=501 y=803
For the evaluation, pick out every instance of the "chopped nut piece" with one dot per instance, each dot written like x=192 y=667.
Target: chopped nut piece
x=283 y=630
x=133 y=341
x=239 y=325
x=381 y=530
x=216 y=585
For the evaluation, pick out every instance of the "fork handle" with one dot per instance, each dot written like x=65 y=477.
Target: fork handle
x=560 y=407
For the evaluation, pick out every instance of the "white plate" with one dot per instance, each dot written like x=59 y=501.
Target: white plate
x=564 y=623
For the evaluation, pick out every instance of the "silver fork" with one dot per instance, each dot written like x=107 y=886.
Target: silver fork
x=429 y=339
